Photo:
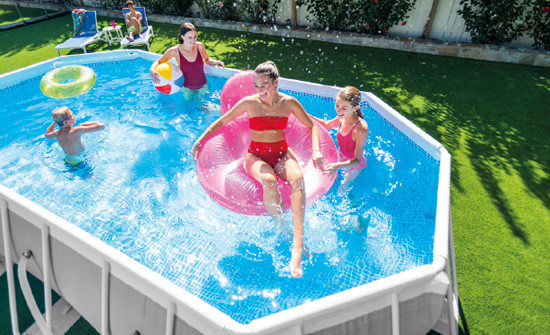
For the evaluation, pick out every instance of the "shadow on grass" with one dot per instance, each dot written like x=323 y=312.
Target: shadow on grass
x=463 y=327
x=497 y=113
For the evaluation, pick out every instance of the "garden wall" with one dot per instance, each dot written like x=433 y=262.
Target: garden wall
x=447 y=25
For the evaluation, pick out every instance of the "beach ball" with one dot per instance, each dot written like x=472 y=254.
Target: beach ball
x=238 y=86
x=171 y=78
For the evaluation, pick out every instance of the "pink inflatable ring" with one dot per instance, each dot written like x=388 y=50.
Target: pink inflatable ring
x=220 y=167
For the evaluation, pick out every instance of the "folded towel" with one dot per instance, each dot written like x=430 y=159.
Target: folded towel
x=78 y=18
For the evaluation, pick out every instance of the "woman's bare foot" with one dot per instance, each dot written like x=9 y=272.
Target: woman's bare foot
x=296 y=264
x=130 y=37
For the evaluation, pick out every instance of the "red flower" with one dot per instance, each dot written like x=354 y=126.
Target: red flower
x=367 y=25
x=376 y=2
x=385 y=30
x=257 y=9
x=404 y=23
x=545 y=9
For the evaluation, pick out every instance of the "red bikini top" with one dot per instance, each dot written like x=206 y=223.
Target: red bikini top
x=261 y=123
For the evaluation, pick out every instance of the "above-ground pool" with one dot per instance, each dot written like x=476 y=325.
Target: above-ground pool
x=138 y=191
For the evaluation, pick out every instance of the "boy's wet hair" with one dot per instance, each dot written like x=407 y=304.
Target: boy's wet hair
x=353 y=96
x=130 y=2
x=184 y=28
x=60 y=114
x=268 y=68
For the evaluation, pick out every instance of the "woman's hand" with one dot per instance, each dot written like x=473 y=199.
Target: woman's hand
x=330 y=168
x=195 y=150
x=218 y=63
x=154 y=76
x=318 y=159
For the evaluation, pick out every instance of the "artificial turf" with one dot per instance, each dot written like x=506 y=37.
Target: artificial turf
x=9 y=15
x=494 y=119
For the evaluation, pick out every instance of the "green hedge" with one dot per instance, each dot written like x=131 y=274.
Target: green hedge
x=499 y=22
x=487 y=21
x=365 y=16
x=170 y=7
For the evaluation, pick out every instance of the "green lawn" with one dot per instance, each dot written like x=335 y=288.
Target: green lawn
x=9 y=15
x=494 y=119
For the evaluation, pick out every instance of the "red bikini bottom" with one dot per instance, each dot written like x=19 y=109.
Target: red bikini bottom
x=271 y=153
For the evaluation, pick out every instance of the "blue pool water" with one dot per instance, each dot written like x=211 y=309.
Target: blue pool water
x=140 y=194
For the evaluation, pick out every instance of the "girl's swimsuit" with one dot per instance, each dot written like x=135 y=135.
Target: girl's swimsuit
x=347 y=148
x=193 y=72
x=271 y=153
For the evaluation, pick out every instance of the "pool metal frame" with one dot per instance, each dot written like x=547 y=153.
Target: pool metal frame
x=313 y=316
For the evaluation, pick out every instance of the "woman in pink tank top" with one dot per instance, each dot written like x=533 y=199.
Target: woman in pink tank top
x=352 y=134
x=191 y=56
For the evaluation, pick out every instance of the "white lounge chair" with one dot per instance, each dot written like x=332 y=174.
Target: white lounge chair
x=146 y=34
x=88 y=34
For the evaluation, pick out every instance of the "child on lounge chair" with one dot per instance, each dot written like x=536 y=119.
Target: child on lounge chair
x=133 y=21
x=69 y=137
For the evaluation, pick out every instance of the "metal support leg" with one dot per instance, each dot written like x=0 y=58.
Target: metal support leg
x=47 y=277
x=9 y=266
x=395 y=314
x=170 y=319
x=27 y=293
x=105 y=298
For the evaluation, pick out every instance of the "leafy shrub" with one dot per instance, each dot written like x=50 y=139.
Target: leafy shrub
x=328 y=14
x=366 y=16
x=219 y=9
x=258 y=11
x=538 y=23
x=174 y=7
x=376 y=17
x=493 y=21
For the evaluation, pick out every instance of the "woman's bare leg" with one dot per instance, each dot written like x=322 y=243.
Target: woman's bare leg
x=289 y=169
x=264 y=174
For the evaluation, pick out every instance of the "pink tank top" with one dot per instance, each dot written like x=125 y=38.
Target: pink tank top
x=346 y=143
x=193 y=72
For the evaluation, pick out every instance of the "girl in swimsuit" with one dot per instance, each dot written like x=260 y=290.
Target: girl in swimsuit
x=352 y=134
x=191 y=56
x=269 y=156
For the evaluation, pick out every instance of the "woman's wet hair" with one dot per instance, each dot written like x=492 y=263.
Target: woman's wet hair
x=185 y=27
x=268 y=68
x=353 y=96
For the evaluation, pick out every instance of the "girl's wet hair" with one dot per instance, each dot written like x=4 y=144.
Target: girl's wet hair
x=268 y=68
x=185 y=27
x=353 y=96
x=60 y=114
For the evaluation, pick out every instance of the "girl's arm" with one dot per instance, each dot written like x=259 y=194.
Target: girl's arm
x=327 y=124
x=304 y=117
x=362 y=133
x=234 y=112
x=164 y=58
x=206 y=58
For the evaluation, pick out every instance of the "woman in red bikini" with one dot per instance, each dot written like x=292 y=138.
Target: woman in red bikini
x=269 y=156
x=352 y=134
x=191 y=56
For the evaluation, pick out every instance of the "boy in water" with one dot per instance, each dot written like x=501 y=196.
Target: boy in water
x=133 y=21
x=69 y=137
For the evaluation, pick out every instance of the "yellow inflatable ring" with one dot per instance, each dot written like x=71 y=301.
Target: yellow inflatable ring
x=67 y=81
